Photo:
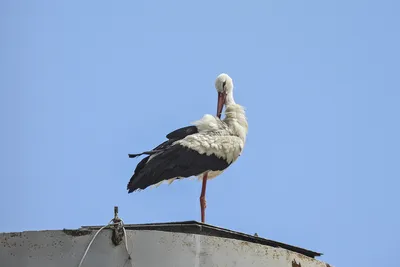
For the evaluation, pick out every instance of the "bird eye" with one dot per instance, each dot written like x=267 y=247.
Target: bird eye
x=223 y=84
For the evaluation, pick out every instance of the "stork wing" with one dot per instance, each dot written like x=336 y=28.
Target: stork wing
x=176 y=161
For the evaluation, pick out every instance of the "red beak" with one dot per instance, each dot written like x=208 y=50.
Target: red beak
x=221 y=103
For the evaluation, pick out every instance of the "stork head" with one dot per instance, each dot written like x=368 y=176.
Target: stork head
x=224 y=86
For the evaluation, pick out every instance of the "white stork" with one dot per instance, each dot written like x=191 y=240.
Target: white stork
x=204 y=149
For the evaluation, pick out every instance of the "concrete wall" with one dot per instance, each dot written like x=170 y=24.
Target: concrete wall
x=148 y=248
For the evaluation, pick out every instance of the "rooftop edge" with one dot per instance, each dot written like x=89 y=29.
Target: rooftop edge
x=194 y=227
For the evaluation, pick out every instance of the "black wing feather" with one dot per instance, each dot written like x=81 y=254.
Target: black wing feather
x=172 y=137
x=175 y=161
x=182 y=132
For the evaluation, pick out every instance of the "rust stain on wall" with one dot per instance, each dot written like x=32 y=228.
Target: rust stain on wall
x=77 y=232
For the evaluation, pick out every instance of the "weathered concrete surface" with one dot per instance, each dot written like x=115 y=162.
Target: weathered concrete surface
x=148 y=248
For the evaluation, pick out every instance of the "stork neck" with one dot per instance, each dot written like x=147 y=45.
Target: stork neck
x=229 y=99
x=235 y=119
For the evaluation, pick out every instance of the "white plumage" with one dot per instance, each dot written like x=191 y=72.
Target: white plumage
x=223 y=138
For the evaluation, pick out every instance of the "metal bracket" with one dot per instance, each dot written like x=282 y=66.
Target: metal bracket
x=118 y=231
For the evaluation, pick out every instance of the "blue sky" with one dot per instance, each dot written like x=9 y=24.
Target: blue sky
x=85 y=83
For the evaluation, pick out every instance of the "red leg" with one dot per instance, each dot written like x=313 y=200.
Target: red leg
x=203 y=198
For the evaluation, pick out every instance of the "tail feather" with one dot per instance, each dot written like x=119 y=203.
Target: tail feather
x=143 y=153
x=134 y=155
